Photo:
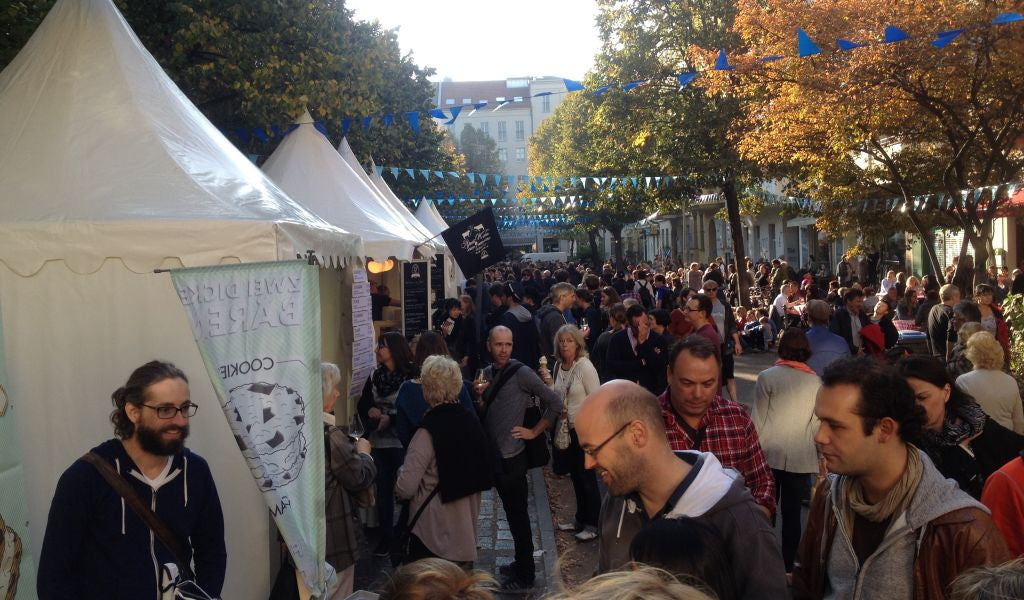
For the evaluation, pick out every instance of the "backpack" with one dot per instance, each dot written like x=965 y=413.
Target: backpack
x=646 y=297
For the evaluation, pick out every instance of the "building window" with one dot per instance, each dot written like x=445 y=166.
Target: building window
x=467 y=100
x=499 y=99
x=545 y=104
x=449 y=101
x=520 y=153
x=517 y=98
x=503 y=154
x=502 y=131
x=486 y=128
x=520 y=130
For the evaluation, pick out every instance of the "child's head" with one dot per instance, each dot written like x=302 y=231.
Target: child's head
x=763 y=320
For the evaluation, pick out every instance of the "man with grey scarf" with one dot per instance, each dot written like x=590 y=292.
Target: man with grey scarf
x=885 y=523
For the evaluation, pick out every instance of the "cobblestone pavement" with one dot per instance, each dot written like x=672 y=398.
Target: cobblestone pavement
x=494 y=542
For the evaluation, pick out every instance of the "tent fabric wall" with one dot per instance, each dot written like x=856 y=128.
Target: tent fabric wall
x=71 y=340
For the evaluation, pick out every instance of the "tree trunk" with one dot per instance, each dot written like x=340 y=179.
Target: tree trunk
x=592 y=236
x=928 y=241
x=732 y=206
x=616 y=233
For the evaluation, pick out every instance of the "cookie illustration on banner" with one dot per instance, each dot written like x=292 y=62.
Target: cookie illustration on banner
x=10 y=561
x=267 y=421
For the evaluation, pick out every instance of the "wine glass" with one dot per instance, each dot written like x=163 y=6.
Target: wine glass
x=583 y=324
x=355 y=427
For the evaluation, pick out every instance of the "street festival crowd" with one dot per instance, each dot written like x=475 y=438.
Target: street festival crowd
x=890 y=417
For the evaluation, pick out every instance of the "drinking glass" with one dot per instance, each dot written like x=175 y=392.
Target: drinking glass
x=355 y=427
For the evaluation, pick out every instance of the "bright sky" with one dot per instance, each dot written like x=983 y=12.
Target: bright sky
x=491 y=39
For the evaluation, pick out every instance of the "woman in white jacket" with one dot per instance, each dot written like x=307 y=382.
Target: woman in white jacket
x=574 y=378
x=784 y=416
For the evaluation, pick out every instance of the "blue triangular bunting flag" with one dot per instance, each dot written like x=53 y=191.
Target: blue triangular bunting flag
x=846 y=45
x=345 y=125
x=411 y=173
x=602 y=89
x=437 y=113
x=633 y=84
x=439 y=174
x=572 y=86
x=455 y=114
x=261 y=134
x=686 y=79
x=378 y=170
x=387 y=120
x=366 y=122
x=1007 y=17
x=414 y=120
x=321 y=127
x=425 y=173
x=945 y=38
x=394 y=172
x=894 y=34
x=722 y=64
x=805 y=45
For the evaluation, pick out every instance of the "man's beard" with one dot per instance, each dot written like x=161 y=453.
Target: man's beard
x=152 y=442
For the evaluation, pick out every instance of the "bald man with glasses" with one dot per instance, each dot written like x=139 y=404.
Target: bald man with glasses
x=622 y=434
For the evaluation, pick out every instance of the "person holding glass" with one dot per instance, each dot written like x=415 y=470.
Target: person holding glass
x=574 y=378
x=378 y=411
x=350 y=470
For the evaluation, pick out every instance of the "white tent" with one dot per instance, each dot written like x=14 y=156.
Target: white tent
x=308 y=168
x=107 y=172
x=389 y=198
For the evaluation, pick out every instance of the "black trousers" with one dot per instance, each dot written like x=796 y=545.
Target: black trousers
x=790 y=489
x=584 y=484
x=388 y=461
x=514 y=493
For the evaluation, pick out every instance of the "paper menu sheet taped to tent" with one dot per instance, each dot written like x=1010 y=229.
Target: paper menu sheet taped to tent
x=363 y=360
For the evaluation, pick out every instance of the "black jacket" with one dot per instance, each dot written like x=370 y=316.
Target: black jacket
x=841 y=325
x=646 y=366
x=549 y=319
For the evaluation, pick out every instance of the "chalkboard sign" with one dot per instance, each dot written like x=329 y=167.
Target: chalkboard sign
x=415 y=303
x=437 y=277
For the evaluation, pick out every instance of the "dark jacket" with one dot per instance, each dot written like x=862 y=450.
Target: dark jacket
x=993 y=448
x=941 y=534
x=646 y=366
x=549 y=319
x=892 y=335
x=348 y=472
x=719 y=498
x=842 y=326
x=525 y=347
x=97 y=547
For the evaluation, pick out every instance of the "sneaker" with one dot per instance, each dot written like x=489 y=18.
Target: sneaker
x=568 y=526
x=513 y=584
x=586 y=535
x=507 y=570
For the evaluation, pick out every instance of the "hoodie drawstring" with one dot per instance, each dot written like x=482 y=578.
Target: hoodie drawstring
x=622 y=515
x=186 y=481
x=117 y=461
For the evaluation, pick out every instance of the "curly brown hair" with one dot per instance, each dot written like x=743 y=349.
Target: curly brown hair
x=134 y=392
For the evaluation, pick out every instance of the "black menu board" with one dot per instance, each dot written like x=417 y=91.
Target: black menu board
x=415 y=301
x=437 y=277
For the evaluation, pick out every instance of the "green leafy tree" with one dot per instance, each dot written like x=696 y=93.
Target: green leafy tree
x=255 y=63
x=480 y=150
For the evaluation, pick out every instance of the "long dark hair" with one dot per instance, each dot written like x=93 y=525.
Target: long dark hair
x=430 y=343
x=134 y=392
x=400 y=351
x=689 y=549
x=933 y=370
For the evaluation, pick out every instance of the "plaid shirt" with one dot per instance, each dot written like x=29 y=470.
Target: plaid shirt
x=729 y=435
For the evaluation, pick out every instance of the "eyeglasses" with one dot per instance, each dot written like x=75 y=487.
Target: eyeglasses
x=168 y=412
x=690 y=309
x=592 y=452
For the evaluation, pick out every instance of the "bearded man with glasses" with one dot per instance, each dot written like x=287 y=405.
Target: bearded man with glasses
x=95 y=545
x=623 y=437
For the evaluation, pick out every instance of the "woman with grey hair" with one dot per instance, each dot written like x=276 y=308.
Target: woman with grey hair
x=350 y=470
x=449 y=457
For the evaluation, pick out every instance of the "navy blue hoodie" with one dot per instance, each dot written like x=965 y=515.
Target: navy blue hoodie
x=96 y=547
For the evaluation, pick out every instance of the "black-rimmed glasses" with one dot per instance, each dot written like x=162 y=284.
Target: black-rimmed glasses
x=168 y=412
x=592 y=452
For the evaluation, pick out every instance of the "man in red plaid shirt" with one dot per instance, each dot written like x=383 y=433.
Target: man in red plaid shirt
x=698 y=418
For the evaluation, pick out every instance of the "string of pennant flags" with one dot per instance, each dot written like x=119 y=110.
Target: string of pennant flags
x=535 y=183
x=805 y=47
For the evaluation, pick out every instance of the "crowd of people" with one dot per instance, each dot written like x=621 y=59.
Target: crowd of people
x=908 y=454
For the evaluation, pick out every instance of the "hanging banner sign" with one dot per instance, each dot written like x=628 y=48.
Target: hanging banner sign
x=17 y=569
x=258 y=329
x=437 y=280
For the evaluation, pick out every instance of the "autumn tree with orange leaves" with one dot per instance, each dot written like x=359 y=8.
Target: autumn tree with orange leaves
x=893 y=119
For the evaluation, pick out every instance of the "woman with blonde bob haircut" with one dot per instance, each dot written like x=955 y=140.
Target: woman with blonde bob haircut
x=437 y=579
x=995 y=390
x=573 y=378
x=641 y=583
x=450 y=457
